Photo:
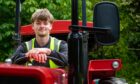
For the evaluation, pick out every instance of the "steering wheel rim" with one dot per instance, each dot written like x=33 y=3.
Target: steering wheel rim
x=23 y=60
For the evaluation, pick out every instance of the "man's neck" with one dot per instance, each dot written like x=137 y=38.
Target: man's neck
x=42 y=41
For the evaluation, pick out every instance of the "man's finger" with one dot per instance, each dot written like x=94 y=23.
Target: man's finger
x=36 y=57
x=45 y=57
x=39 y=58
x=42 y=58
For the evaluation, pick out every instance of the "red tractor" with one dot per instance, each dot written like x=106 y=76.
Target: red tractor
x=80 y=36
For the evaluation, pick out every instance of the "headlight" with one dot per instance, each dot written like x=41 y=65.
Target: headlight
x=115 y=64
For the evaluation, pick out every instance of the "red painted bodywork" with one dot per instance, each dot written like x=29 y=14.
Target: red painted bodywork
x=99 y=69
x=59 y=27
x=43 y=74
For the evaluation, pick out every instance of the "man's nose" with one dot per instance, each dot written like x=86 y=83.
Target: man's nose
x=42 y=25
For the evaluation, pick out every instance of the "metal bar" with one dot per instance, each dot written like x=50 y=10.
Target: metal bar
x=84 y=12
x=17 y=23
x=91 y=29
x=74 y=12
x=84 y=56
x=74 y=47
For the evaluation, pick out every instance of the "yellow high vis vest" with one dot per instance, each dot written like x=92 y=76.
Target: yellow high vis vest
x=54 y=45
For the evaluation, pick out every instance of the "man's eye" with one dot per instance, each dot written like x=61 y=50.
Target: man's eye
x=38 y=23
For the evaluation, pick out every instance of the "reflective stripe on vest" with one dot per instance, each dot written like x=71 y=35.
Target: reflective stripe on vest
x=54 y=45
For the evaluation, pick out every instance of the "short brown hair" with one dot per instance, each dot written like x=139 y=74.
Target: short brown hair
x=42 y=14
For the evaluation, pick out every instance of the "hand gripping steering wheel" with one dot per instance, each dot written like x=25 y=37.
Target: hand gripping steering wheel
x=23 y=60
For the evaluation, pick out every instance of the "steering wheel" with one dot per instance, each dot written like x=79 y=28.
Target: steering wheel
x=23 y=60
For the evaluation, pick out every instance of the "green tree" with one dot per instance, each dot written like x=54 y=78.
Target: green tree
x=6 y=28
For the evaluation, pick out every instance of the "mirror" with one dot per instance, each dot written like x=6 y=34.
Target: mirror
x=106 y=16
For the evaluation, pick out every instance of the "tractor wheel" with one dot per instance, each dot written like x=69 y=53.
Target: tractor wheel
x=112 y=80
x=106 y=82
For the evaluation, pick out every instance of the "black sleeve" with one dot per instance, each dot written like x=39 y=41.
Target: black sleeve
x=62 y=54
x=19 y=55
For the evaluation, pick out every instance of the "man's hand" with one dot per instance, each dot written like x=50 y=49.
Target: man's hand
x=41 y=58
x=31 y=53
x=44 y=50
x=38 y=54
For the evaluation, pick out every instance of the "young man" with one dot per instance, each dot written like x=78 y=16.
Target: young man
x=38 y=50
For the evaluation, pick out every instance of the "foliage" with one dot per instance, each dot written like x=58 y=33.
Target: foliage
x=6 y=28
x=130 y=29
x=58 y=9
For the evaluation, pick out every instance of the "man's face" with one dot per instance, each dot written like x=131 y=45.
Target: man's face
x=41 y=28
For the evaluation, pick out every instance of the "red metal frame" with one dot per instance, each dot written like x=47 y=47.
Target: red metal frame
x=45 y=75
x=59 y=27
x=102 y=69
